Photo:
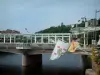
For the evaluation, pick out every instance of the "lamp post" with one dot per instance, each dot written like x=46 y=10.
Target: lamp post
x=27 y=30
x=78 y=32
x=84 y=19
x=95 y=23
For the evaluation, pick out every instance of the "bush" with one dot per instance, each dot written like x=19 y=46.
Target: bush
x=96 y=60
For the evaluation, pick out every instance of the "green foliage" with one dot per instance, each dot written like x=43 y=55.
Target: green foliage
x=96 y=59
x=59 y=29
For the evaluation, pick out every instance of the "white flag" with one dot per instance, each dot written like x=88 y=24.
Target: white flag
x=98 y=43
x=59 y=49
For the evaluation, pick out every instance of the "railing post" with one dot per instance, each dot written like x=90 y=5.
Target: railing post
x=48 y=38
x=62 y=38
x=87 y=38
x=84 y=40
x=10 y=38
x=4 y=38
x=55 y=38
x=35 y=38
x=27 y=39
x=42 y=38
x=69 y=38
x=31 y=38
x=14 y=38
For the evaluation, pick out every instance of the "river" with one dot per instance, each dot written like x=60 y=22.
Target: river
x=68 y=64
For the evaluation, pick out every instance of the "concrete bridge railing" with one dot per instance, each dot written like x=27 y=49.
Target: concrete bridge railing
x=46 y=38
x=26 y=41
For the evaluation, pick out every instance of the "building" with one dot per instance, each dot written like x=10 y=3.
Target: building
x=8 y=31
x=93 y=22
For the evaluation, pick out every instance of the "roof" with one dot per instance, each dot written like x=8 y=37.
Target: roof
x=8 y=31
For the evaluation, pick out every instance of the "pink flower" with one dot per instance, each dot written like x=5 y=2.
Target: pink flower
x=64 y=49
x=58 y=46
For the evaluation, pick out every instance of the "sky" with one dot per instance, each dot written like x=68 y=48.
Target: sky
x=36 y=15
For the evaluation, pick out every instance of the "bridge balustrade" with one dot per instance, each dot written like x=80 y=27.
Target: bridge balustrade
x=39 y=38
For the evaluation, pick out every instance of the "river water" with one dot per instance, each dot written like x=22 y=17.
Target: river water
x=68 y=64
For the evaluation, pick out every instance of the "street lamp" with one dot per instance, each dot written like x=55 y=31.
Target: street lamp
x=84 y=19
x=77 y=28
x=26 y=30
x=95 y=23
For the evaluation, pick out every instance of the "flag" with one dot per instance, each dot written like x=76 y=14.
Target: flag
x=59 y=49
x=73 y=46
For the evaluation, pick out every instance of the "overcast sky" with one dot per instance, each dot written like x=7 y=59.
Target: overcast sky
x=36 y=15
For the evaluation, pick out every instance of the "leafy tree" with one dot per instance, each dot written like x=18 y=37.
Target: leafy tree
x=58 y=29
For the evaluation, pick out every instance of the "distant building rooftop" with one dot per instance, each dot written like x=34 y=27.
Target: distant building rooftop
x=8 y=31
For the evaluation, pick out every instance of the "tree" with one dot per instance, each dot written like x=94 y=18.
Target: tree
x=58 y=29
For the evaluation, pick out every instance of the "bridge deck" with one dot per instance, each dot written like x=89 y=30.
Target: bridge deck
x=40 y=51
x=36 y=49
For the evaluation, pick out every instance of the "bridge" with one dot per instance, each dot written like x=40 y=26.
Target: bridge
x=33 y=45
x=31 y=41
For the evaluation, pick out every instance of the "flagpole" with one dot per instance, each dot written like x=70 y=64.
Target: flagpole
x=77 y=29
x=95 y=26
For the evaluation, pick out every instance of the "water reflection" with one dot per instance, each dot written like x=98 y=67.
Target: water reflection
x=10 y=70
x=66 y=65
x=38 y=71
